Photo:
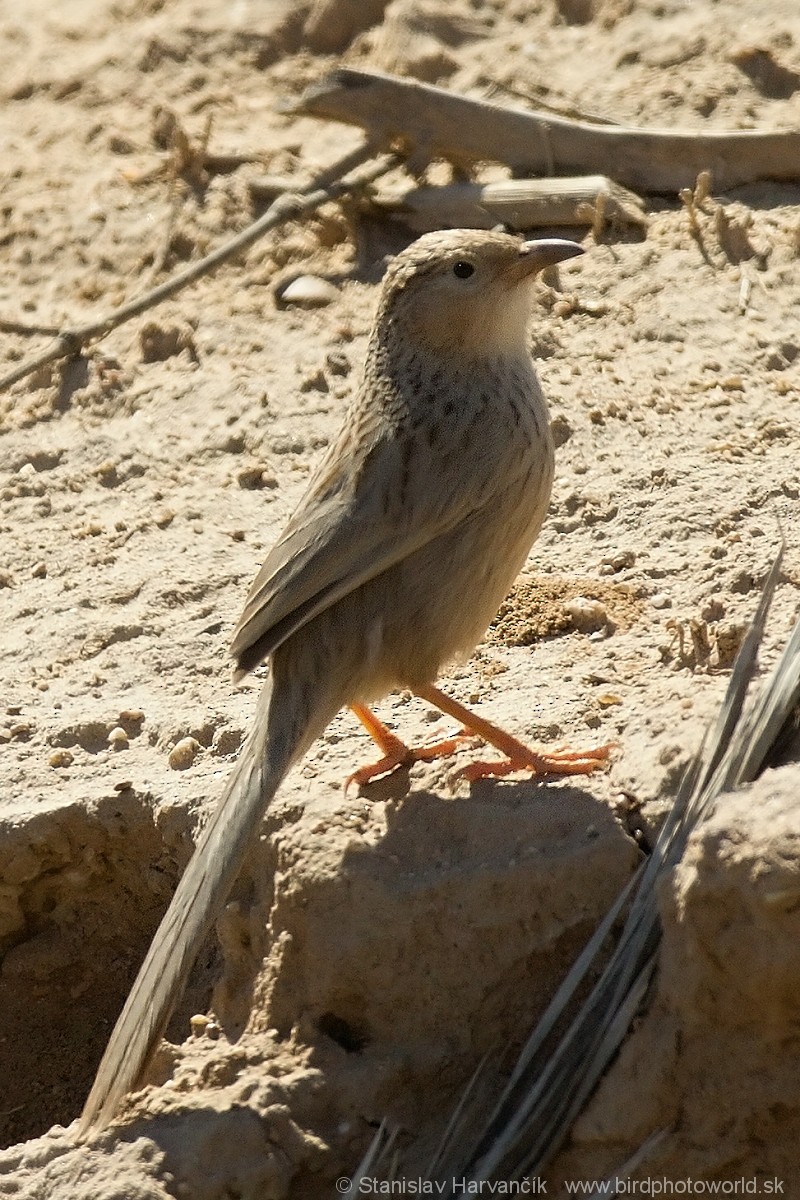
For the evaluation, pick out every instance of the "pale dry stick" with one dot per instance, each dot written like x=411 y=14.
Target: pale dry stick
x=693 y=199
x=343 y=177
x=599 y=215
x=9 y=325
x=431 y=122
x=518 y=204
x=162 y=254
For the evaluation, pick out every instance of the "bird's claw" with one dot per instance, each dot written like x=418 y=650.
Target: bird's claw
x=557 y=762
x=401 y=755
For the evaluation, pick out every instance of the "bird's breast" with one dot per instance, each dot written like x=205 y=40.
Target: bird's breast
x=500 y=420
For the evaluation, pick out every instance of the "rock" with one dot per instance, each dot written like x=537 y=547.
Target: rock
x=61 y=758
x=561 y=430
x=118 y=738
x=160 y=341
x=587 y=616
x=308 y=291
x=715 y=1059
x=183 y=753
x=332 y=24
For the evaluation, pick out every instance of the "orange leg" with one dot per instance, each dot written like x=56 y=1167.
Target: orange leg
x=518 y=756
x=395 y=752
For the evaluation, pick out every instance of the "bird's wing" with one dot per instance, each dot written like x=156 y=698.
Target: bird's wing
x=350 y=527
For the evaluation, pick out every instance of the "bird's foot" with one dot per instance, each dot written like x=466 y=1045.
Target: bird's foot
x=518 y=756
x=395 y=751
x=558 y=762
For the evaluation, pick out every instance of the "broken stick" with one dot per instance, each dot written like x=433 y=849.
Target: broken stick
x=338 y=180
x=519 y=204
x=430 y=122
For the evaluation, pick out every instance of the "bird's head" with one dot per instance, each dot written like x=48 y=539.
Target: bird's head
x=466 y=290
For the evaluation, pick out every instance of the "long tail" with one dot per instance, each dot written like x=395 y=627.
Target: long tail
x=279 y=735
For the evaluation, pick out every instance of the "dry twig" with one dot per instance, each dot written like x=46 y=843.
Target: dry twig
x=519 y=204
x=342 y=178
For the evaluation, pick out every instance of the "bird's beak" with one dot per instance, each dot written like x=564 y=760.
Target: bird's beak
x=535 y=256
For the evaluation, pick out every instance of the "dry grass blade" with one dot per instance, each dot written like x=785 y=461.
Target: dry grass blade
x=378 y=1149
x=457 y=1123
x=773 y=708
x=604 y=1191
x=537 y=1120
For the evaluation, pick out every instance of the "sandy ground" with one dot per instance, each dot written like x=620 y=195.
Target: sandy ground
x=406 y=930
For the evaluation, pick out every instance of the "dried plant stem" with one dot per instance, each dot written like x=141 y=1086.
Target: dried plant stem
x=342 y=178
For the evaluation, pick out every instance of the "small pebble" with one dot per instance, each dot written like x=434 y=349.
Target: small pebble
x=160 y=342
x=61 y=758
x=118 y=738
x=561 y=430
x=91 y=529
x=107 y=472
x=337 y=362
x=255 y=477
x=183 y=753
x=39 y=571
x=621 y=560
x=661 y=600
x=315 y=382
x=309 y=291
x=131 y=715
x=199 y=1024
x=713 y=609
x=586 y=615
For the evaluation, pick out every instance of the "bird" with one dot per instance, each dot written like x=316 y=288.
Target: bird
x=409 y=536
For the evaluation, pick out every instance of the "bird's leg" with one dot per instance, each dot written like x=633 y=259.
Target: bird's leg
x=395 y=752
x=519 y=757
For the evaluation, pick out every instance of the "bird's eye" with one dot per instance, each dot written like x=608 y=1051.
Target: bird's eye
x=463 y=270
